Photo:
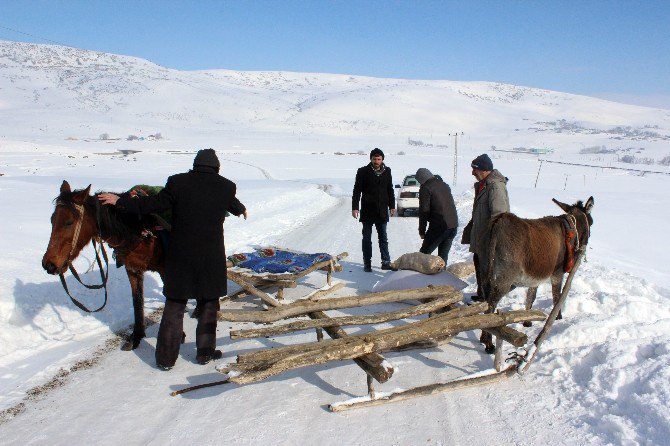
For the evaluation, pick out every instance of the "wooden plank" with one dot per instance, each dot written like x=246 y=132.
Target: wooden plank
x=306 y=306
x=347 y=320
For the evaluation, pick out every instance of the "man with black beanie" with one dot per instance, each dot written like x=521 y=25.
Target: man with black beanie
x=195 y=264
x=373 y=195
x=437 y=211
x=491 y=199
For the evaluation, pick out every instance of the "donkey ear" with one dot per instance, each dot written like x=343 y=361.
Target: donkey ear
x=589 y=205
x=81 y=197
x=565 y=207
x=65 y=187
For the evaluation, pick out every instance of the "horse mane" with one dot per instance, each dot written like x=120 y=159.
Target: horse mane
x=124 y=227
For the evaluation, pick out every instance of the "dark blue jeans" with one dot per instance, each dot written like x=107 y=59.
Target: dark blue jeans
x=442 y=243
x=383 y=242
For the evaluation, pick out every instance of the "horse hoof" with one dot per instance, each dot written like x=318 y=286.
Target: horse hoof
x=527 y=324
x=490 y=349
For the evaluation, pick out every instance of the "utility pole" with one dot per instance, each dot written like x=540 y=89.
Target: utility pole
x=455 y=134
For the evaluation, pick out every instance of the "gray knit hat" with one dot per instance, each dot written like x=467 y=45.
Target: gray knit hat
x=206 y=157
x=423 y=175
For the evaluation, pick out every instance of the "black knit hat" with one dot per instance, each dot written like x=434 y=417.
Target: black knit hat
x=482 y=162
x=376 y=152
x=206 y=157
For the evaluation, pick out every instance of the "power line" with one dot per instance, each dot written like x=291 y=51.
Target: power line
x=32 y=35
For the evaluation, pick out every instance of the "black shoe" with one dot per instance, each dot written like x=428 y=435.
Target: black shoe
x=477 y=298
x=204 y=359
x=367 y=268
x=388 y=267
x=162 y=367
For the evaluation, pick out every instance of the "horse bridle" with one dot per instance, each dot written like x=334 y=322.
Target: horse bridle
x=572 y=221
x=75 y=238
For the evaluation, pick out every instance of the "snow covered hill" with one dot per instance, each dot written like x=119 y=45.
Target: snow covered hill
x=46 y=90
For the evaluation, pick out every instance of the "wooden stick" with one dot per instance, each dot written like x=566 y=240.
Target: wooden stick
x=270 y=354
x=306 y=306
x=199 y=386
x=430 y=389
x=514 y=337
x=322 y=292
x=530 y=356
x=265 y=297
x=346 y=320
x=358 y=345
x=497 y=361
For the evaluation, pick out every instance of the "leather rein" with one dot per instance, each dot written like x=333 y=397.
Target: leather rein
x=104 y=275
x=572 y=245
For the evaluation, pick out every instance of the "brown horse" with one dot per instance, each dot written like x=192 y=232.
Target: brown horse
x=78 y=218
x=526 y=253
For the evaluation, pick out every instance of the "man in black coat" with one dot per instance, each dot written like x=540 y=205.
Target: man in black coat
x=437 y=210
x=373 y=190
x=195 y=265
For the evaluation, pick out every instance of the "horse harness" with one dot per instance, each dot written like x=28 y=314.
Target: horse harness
x=572 y=244
x=104 y=275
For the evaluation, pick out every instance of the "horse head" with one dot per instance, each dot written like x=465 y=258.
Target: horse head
x=582 y=217
x=72 y=227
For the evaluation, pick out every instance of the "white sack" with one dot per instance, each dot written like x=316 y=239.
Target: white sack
x=416 y=261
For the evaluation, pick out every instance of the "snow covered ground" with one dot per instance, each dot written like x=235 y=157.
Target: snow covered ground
x=601 y=377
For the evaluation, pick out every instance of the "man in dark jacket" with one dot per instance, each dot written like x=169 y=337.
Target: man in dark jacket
x=491 y=199
x=373 y=190
x=437 y=210
x=195 y=265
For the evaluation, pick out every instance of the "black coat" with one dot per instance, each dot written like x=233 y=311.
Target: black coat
x=195 y=266
x=374 y=193
x=436 y=209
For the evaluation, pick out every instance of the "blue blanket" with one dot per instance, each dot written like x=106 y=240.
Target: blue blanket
x=277 y=261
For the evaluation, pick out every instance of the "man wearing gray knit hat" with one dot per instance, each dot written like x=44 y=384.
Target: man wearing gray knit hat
x=491 y=199
x=437 y=210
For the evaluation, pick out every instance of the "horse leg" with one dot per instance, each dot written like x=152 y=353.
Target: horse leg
x=137 y=286
x=556 y=288
x=531 y=294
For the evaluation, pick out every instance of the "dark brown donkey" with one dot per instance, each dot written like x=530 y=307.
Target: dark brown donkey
x=77 y=219
x=526 y=253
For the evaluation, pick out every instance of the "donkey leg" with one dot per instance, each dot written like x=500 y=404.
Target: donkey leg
x=531 y=294
x=137 y=286
x=556 y=288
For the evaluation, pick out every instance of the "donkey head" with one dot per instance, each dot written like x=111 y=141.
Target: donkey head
x=70 y=229
x=582 y=214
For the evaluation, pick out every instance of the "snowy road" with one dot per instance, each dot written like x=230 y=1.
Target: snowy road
x=126 y=400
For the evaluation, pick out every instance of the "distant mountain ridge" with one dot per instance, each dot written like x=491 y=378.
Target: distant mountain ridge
x=58 y=92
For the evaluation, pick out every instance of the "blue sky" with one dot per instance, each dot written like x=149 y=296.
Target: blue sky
x=618 y=50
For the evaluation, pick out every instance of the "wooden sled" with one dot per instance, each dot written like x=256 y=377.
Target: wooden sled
x=446 y=318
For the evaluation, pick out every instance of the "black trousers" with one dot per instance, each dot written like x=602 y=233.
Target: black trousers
x=172 y=328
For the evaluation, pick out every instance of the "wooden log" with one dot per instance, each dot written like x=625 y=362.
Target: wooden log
x=265 y=297
x=259 y=280
x=497 y=361
x=347 y=320
x=355 y=346
x=307 y=306
x=324 y=291
x=430 y=389
x=514 y=337
x=272 y=354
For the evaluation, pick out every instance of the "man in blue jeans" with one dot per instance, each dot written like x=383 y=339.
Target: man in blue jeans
x=437 y=210
x=373 y=200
